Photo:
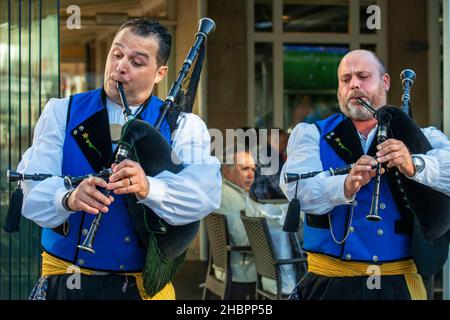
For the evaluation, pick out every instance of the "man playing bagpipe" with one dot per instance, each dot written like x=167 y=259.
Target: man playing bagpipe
x=353 y=253
x=77 y=136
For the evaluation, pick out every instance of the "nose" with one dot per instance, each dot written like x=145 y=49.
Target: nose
x=354 y=83
x=122 y=66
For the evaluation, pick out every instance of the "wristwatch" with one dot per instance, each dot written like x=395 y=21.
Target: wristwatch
x=65 y=201
x=419 y=164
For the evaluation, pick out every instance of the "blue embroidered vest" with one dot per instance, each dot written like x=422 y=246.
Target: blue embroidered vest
x=367 y=241
x=87 y=149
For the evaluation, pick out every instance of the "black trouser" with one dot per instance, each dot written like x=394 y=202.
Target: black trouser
x=95 y=287
x=315 y=287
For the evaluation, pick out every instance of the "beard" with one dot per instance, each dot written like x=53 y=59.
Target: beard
x=356 y=111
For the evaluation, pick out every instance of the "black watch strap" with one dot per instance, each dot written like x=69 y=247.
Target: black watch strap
x=65 y=201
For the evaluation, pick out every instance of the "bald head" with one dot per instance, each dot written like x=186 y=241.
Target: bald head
x=361 y=74
x=369 y=56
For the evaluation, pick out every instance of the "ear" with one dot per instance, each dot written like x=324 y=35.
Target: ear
x=225 y=171
x=161 y=73
x=386 y=81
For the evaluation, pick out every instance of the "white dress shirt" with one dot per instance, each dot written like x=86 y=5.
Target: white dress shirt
x=234 y=200
x=319 y=195
x=177 y=198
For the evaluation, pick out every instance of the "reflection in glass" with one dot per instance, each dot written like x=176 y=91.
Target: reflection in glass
x=441 y=18
x=305 y=16
x=263 y=85
x=369 y=46
x=28 y=78
x=310 y=82
x=263 y=15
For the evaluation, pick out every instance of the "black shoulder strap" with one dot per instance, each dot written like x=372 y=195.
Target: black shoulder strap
x=68 y=111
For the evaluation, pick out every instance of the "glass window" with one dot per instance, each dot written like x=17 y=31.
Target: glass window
x=309 y=67
x=263 y=16
x=28 y=78
x=369 y=46
x=263 y=85
x=310 y=81
x=441 y=18
x=308 y=16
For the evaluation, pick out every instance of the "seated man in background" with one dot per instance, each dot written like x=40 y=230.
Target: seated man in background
x=238 y=177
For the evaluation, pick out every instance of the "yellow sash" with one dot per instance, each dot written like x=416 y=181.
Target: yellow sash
x=54 y=266
x=326 y=266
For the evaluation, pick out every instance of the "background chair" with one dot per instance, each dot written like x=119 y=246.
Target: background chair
x=219 y=259
x=267 y=264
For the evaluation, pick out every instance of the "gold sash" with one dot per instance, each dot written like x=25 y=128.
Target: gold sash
x=54 y=266
x=326 y=266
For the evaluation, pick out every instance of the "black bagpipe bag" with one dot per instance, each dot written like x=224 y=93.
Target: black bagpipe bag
x=427 y=210
x=167 y=244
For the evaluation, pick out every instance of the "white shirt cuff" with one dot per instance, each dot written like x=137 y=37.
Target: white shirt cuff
x=57 y=199
x=430 y=174
x=334 y=188
x=156 y=193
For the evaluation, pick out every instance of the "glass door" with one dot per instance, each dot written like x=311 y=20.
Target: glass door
x=29 y=76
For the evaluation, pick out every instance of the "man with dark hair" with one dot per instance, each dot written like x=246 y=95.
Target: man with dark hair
x=350 y=257
x=76 y=136
x=266 y=185
x=147 y=28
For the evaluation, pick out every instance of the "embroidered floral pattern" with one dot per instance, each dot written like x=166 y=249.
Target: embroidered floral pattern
x=39 y=291
x=341 y=145
x=89 y=143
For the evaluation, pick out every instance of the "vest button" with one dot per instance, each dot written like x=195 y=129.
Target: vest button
x=85 y=232
x=399 y=181
x=328 y=137
x=127 y=239
x=348 y=256
x=351 y=229
x=375 y=258
x=380 y=232
x=80 y=262
x=122 y=267
x=355 y=203
x=81 y=128
x=331 y=133
x=396 y=173
x=75 y=132
x=382 y=206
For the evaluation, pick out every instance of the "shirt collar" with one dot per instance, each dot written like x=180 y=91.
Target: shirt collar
x=234 y=186
x=365 y=143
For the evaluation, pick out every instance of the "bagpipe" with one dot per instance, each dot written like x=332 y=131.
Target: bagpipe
x=166 y=244
x=426 y=210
